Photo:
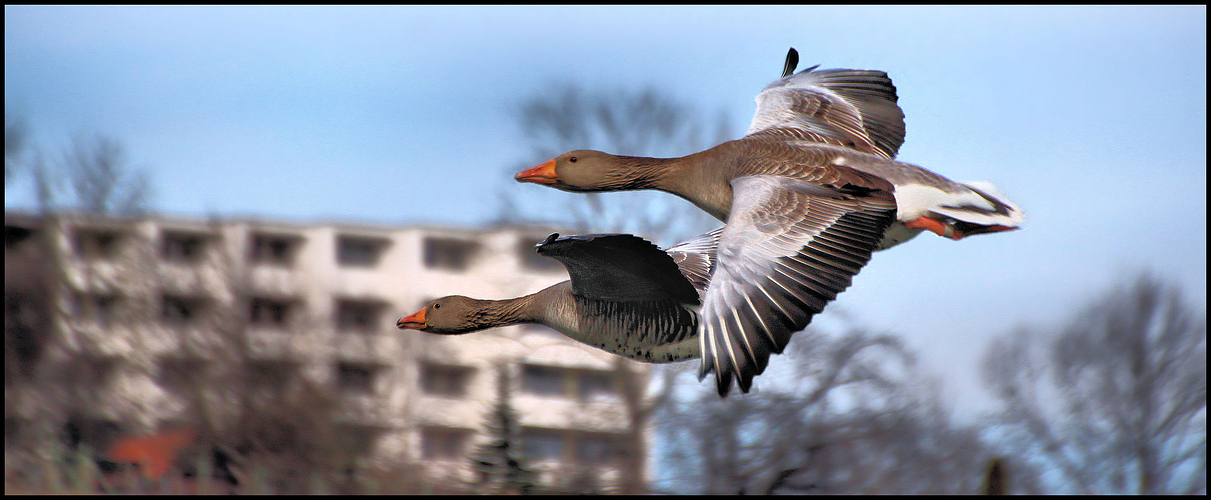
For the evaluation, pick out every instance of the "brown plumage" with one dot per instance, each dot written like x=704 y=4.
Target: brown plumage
x=807 y=195
x=625 y=296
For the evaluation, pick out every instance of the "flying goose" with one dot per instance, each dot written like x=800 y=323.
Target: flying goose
x=807 y=195
x=625 y=296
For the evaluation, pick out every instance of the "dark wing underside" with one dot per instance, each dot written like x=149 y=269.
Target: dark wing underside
x=619 y=267
x=789 y=247
x=635 y=294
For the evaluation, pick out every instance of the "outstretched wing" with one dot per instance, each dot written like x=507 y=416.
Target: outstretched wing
x=619 y=267
x=844 y=107
x=789 y=247
x=696 y=258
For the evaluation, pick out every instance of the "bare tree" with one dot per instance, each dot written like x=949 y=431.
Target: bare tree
x=258 y=408
x=1117 y=399
x=642 y=405
x=15 y=139
x=851 y=413
x=639 y=123
x=93 y=177
x=263 y=408
x=62 y=386
x=26 y=293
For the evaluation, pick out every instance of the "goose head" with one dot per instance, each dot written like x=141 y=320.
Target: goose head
x=586 y=170
x=450 y=315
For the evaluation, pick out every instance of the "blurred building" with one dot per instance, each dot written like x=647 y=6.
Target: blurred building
x=111 y=320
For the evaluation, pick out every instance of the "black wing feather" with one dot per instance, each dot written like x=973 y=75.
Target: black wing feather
x=619 y=267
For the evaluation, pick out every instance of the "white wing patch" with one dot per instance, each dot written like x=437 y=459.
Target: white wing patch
x=917 y=200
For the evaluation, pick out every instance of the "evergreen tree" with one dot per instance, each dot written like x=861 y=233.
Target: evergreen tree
x=499 y=462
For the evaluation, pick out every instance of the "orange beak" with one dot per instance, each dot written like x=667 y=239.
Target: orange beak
x=542 y=174
x=416 y=321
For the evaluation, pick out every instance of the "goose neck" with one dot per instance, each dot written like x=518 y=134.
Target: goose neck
x=642 y=172
x=505 y=312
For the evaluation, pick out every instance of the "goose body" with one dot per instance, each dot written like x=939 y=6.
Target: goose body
x=807 y=195
x=625 y=296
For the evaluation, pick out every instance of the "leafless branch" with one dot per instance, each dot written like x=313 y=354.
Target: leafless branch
x=1117 y=398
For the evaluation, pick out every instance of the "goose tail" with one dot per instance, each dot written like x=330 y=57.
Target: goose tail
x=1004 y=215
x=981 y=208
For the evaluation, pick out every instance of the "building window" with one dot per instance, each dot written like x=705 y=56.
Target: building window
x=14 y=235
x=542 y=444
x=183 y=247
x=530 y=259
x=101 y=308
x=543 y=380
x=354 y=378
x=594 y=384
x=98 y=433
x=274 y=249
x=445 y=380
x=358 y=316
x=14 y=430
x=182 y=310
x=94 y=371
x=444 y=443
x=586 y=385
x=595 y=448
x=359 y=252
x=270 y=373
x=358 y=439
x=178 y=374
x=449 y=254
x=98 y=244
x=270 y=313
x=559 y=445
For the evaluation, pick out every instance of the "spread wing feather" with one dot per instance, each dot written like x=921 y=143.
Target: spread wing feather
x=843 y=107
x=789 y=247
x=696 y=258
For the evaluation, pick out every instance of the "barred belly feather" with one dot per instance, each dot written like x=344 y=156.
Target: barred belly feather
x=654 y=332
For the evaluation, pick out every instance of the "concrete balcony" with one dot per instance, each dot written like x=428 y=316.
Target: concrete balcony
x=190 y=279
x=275 y=280
x=554 y=412
x=360 y=282
x=366 y=410
x=369 y=348
x=98 y=275
x=96 y=339
x=452 y=412
x=280 y=345
x=190 y=339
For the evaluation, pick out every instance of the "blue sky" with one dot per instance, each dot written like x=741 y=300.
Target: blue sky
x=1092 y=119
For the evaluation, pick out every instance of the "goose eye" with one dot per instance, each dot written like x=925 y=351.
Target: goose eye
x=572 y=159
x=437 y=306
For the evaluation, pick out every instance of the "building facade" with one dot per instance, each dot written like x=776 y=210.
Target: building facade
x=138 y=310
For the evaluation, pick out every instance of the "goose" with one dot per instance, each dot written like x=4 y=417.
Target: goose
x=625 y=296
x=807 y=195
